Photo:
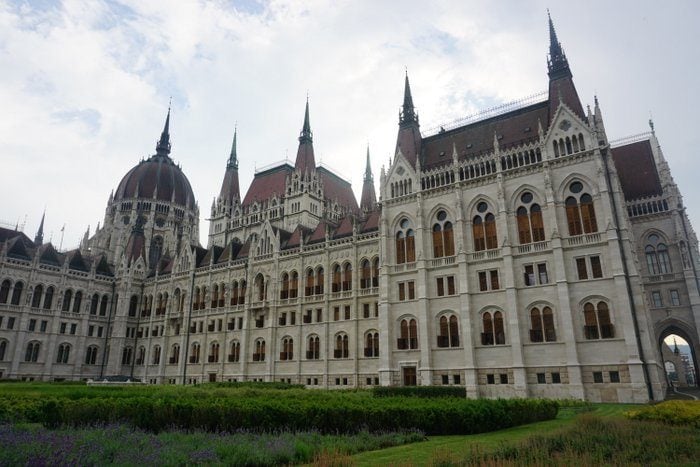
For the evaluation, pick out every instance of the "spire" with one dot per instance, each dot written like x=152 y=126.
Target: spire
x=233 y=158
x=305 y=154
x=39 y=238
x=408 y=114
x=557 y=63
x=369 y=199
x=163 y=146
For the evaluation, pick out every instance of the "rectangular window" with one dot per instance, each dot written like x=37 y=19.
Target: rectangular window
x=32 y=324
x=445 y=379
x=556 y=378
x=10 y=323
x=656 y=299
x=63 y=328
x=451 y=285
x=293 y=318
x=529 y=275
x=365 y=310
x=411 y=290
x=402 y=291
x=614 y=376
x=307 y=316
x=581 y=268
x=337 y=381
x=336 y=313
x=483 y=285
x=99 y=331
x=675 y=298
x=494 y=279
x=541 y=379
x=490 y=379
x=440 y=287
x=597 y=376
x=376 y=309
x=347 y=311
x=504 y=378
x=542 y=273
x=369 y=381
x=596 y=267
x=44 y=325
x=456 y=379
x=91 y=330
x=1 y=318
x=319 y=315
x=73 y=328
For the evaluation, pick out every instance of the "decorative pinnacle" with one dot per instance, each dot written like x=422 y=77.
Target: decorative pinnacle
x=306 y=134
x=233 y=158
x=163 y=146
x=368 y=169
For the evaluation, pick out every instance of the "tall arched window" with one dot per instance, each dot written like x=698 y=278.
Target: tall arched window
x=319 y=281
x=542 y=325
x=103 y=305
x=597 y=323
x=222 y=296
x=17 y=293
x=408 y=339
x=127 y=355
x=365 y=274
x=77 y=300
x=235 y=354
x=91 y=355
x=284 y=290
x=48 y=297
x=529 y=219
x=656 y=252
x=449 y=332
x=195 y=350
x=174 y=354
x=156 y=355
x=580 y=212
x=67 y=297
x=294 y=285
x=63 y=353
x=313 y=347
x=3 y=349
x=36 y=297
x=260 y=287
x=32 y=353
x=443 y=236
x=5 y=290
x=484 y=228
x=197 y=297
x=405 y=243
x=213 y=352
x=94 y=303
x=493 y=329
x=347 y=276
x=335 y=284
x=287 y=352
x=372 y=344
x=341 y=346
x=259 y=354
x=309 y=288
x=133 y=304
x=214 y=296
x=156 y=251
x=242 y=292
x=375 y=272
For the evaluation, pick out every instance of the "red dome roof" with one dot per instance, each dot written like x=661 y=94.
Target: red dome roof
x=158 y=174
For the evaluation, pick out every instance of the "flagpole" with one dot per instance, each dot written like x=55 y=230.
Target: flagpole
x=63 y=229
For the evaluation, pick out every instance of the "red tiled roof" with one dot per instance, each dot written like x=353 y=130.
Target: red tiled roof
x=268 y=183
x=136 y=246
x=229 y=187
x=297 y=236
x=158 y=174
x=636 y=170
x=345 y=227
x=319 y=234
x=305 y=156
x=6 y=234
x=564 y=88
x=477 y=138
x=410 y=141
x=335 y=188
x=371 y=223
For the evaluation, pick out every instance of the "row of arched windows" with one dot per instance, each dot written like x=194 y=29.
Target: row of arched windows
x=568 y=145
x=44 y=298
x=580 y=216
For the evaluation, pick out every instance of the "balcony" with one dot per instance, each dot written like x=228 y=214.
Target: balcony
x=444 y=261
x=584 y=239
x=286 y=356
x=404 y=343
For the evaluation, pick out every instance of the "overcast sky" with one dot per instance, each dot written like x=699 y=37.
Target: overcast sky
x=84 y=86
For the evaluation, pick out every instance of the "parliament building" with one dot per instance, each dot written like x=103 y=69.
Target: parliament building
x=517 y=253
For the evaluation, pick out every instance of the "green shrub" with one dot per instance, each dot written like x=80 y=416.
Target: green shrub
x=671 y=412
x=419 y=391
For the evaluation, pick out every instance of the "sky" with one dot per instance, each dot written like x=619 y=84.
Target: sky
x=85 y=86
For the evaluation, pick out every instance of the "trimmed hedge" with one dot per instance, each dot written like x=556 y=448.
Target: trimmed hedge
x=334 y=415
x=670 y=412
x=419 y=391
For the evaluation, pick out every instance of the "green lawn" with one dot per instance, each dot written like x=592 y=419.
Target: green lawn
x=423 y=452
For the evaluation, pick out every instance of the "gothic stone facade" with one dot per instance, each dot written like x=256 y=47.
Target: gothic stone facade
x=519 y=255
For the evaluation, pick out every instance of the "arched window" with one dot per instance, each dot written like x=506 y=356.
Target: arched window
x=597 y=324
x=32 y=353
x=347 y=276
x=260 y=287
x=155 y=251
x=405 y=243
x=580 y=212
x=284 y=290
x=3 y=349
x=656 y=252
x=313 y=347
x=17 y=293
x=36 y=297
x=341 y=346
x=94 y=303
x=63 y=353
x=222 y=296
x=127 y=354
x=408 y=339
x=448 y=332
x=77 y=300
x=259 y=354
x=319 y=281
x=241 y=295
x=287 y=352
x=214 y=296
x=195 y=350
x=91 y=355
x=197 y=298
x=335 y=284
x=443 y=236
x=67 y=297
x=529 y=220
x=141 y=356
x=5 y=290
x=365 y=274
x=133 y=304
x=234 y=293
x=213 y=352
x=235 y=354
x=372 y=344
x=294 y=285
x=493 y=332
x=375 y=272
x=103 y=305
x=203 y=298
x=174 y=354
x=484 y=228
x=309 y=288
x=542 y=325
x=48 y=297
x=156 y=355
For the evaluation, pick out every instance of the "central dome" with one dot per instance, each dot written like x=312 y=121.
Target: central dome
x=157 y=177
